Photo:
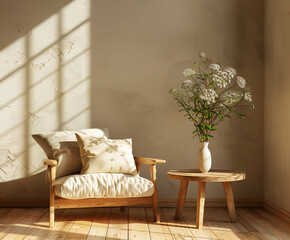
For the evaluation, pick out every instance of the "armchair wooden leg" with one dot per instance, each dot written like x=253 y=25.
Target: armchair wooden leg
x=51 y=198
x=51 y=207
x=156 y=213
x=51 y=217
x=51 y=211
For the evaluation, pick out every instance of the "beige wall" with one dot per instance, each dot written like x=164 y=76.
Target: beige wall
x=277 y=98
x=110 y=64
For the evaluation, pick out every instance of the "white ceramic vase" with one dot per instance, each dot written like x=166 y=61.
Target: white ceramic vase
x=204 y=158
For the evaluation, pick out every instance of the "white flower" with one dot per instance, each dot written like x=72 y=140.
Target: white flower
x=232 y=97
x=186 y=83
x=226 y=74
x=214 y=66
x=222 y=75
x=231 y=72
x=188 y=72
x=172 y=91
x=221 y=105
x=241 y=81
x=208 y=95
x=202 y=55
x=220 y=82
x=248 y=96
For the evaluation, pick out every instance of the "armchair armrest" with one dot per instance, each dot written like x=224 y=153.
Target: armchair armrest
x=50 y=162
x=148 y=161
x=51 y=168
x=152 y=165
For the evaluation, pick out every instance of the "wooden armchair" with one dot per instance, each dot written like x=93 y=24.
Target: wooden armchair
x=60 y=203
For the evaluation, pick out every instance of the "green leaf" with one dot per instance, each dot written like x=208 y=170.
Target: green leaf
x=207 y=125
x=240 y=115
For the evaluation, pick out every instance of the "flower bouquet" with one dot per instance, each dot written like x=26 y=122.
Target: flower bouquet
x=209 y=94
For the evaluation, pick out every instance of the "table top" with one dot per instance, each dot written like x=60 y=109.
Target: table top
x=214 y=175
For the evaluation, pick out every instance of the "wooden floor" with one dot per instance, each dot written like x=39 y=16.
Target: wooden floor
x=136 y=223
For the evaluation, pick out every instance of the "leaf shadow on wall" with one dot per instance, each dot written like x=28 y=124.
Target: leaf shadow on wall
x=41 y=81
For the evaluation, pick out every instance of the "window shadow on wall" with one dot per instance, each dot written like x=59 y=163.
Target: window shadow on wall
x=44 y=85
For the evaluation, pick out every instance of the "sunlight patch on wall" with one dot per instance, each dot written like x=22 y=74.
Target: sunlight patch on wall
x=44 y=86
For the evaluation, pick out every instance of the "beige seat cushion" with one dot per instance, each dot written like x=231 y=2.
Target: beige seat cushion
x=103 y=185
x=101 y=155
x=63 y=146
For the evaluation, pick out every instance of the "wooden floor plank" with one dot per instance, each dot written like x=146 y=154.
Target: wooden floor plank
x=23 y=223
x=267 y=223
x=222 y=222
x=249 y=213
x=246 y=224
x=137 y=223
x=189 y=216
x=158 y=231
x=118 y=224
x=100 y=225
x=274 y=219
x=39 y=230
x=256 y=236
x=266 y=226
x=4 y=213
x=177 y=228
x=138 y=227
x=82 y=224
x=221 y=226
x=222 y=233
x=10 y=219
x=63 y=223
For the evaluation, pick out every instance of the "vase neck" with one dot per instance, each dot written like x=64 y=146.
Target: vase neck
x=204 y=144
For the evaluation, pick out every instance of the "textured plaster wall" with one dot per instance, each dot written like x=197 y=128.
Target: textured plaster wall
x=44 y=85
x=81 y=64
x=140 y=51
x=277 y=98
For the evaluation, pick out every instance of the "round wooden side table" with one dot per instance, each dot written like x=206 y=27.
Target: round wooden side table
x=224 y=176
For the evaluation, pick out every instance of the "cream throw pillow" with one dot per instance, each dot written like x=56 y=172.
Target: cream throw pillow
x=63 y=147
x=103 y=155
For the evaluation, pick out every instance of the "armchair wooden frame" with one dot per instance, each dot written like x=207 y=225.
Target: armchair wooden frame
x=61 y=203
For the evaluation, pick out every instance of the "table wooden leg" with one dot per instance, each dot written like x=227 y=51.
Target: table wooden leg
x=230 y=201
x=200 y=204
x=181 y=199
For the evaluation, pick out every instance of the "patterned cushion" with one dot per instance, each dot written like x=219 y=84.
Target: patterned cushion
x=101 y=155
x=63 y=147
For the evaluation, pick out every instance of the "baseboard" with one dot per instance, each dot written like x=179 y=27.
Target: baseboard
x=24 y=203
x=282 y=213
x=209 y=202
x=213 y=202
